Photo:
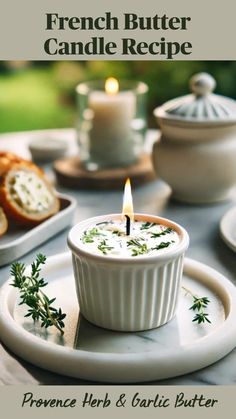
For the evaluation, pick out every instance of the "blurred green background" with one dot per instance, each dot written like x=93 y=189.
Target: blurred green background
x=40 y=95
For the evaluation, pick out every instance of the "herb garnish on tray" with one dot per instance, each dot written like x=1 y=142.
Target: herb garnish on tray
x=199 y=304
x=31 y=294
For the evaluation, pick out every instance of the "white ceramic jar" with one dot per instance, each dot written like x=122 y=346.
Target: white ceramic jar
x=128 y=293
x=197 y=152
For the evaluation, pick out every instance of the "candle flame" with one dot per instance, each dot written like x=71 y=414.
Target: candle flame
x=128 y=202
x=111 y=86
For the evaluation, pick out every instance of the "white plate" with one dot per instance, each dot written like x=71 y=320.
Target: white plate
x=19 y=241
x=228 y=228
x=92 y=353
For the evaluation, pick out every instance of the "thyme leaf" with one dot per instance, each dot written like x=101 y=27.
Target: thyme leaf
x=201 y=318
x=199 y=305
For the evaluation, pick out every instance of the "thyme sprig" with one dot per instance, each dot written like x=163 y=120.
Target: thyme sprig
x=199 y=304
x=31 y=294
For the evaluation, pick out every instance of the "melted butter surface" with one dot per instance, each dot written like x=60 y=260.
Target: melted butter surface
x=109 y=238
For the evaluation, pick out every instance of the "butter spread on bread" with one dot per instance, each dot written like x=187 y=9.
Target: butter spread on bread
x=26 y=196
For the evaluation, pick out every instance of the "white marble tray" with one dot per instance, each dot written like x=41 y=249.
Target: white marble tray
x=18 y=241
x=228 y=228
x=92 y=353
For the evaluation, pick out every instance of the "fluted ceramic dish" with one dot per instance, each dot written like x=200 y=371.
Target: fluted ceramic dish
x=128 y=293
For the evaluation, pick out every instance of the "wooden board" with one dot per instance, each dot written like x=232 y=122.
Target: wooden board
x=72 y=174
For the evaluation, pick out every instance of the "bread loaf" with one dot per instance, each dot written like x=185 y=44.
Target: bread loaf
x=3 y=222
x=7 y=160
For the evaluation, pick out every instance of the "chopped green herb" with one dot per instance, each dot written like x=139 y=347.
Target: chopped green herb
x=88 y=236
x=134 y=242
x=103 y=247
x=162 y=245
x=140 y=250
x=137 y=247
x=104 y=223
x=162 y=233
x=117 y=233
x=147 y=225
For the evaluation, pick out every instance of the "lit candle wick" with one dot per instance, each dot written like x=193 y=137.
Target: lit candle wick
x=127 y=225
x=127 y=210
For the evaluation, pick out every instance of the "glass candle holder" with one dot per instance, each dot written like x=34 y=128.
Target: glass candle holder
x=111 y=122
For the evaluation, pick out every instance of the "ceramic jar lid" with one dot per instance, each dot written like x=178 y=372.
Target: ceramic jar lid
x=200 y=106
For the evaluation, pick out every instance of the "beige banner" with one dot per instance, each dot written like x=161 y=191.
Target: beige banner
x=118 y=401
x=126 y=30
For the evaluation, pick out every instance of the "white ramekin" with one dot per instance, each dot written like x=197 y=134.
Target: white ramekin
x=127 y=293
